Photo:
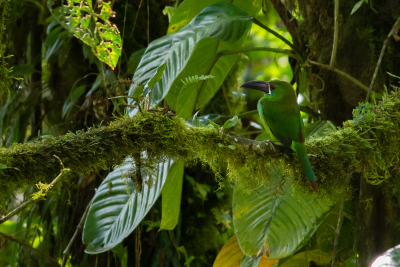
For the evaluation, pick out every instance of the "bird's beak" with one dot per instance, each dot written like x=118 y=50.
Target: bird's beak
x=258 y=85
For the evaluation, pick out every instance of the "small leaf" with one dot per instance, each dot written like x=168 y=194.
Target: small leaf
x=232 y=147
x=3 y=166
x=220 y=145
x=169 y=10
x=157 y=77
x=264 y=136
x=216 y=126
x=230 y=123
x=138 y=92
x=357 y=6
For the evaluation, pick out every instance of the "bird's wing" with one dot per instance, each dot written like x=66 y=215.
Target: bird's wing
x=283 y=120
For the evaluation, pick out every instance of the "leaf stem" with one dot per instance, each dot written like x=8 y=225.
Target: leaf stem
x=267 y=49
x=77 y=231
x=337 y=232
x=257 y=22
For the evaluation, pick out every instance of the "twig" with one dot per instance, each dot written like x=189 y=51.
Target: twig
x=335 y=34
x=32 y=200
x=148 y=23
x=337 y=232
x=395 y=27
x=77 y=231
x=267 y=49
x=137 y=15
x=344 y=74
x=9 y=237
x=257 y=22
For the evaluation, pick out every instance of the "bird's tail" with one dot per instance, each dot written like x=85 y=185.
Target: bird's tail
x=302 y=154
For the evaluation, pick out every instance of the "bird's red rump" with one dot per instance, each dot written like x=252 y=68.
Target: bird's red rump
x=301 y=140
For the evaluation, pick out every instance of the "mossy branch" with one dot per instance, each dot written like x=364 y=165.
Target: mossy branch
x=369 y=143
x=37 y=196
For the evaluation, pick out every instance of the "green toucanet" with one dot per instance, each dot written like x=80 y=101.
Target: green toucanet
x=280 y=113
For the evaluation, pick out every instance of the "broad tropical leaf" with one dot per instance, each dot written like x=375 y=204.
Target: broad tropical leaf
x=118 y=208
x=221 y=21
x=171 y=196
x=277 y=216
x=250 y=262
x=183 y=101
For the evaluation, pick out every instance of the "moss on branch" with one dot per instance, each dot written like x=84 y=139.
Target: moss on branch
x=368 y=143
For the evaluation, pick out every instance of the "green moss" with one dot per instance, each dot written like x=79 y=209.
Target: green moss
x=369 y=146
x=5 y=80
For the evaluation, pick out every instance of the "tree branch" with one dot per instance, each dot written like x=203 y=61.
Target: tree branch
x=170 y=137
x=33 y=200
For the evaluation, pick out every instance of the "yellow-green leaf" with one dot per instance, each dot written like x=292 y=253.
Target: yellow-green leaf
x=231 y=256
x=104 y=38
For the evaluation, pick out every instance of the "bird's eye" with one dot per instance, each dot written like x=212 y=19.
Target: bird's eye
x=272 y=87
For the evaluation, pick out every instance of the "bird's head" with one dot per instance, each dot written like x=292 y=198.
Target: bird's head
x=270 y=87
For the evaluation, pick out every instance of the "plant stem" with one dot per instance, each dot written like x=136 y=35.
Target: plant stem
x=11 y=238
x=344 y=74
x=77 y=231
x=394 y=28
x=32 y=201
x=267 y=49
x=257 y=22
x=337 y=232
x=335 y=34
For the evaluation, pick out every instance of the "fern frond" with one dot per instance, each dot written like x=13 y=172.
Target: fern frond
x=188 y=81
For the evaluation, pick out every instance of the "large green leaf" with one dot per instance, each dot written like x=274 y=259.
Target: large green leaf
x=117 y=207
x=205 y=60
x=171 y=196
x=221 y=21
x=278 y=216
